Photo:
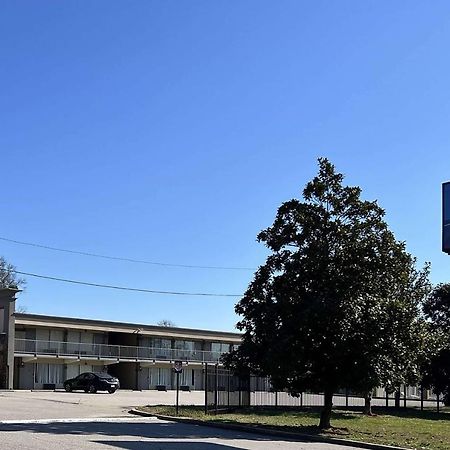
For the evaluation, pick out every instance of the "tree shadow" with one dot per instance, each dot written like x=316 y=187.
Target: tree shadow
x=134 y=428
x=413 y=413
x=306 y=412
x=167 y=445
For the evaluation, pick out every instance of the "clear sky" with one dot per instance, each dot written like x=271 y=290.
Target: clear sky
x=171 y=131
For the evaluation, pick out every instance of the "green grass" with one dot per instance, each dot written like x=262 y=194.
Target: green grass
x=408 y=428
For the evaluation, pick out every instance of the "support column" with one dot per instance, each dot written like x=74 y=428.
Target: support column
x=7 y=333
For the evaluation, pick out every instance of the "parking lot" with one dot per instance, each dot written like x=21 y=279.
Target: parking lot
x=40 y=419
x=34 y=405
x=141 y=434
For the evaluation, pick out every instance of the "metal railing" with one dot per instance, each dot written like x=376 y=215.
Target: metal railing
x=105 y=351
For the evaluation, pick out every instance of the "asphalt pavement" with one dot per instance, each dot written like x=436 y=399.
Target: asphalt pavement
x=45 y=420
x=19 y=405
x=138 y=433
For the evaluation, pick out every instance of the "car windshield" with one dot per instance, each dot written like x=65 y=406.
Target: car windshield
x=104 y=375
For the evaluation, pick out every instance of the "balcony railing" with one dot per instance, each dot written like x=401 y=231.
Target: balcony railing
x=105 y=351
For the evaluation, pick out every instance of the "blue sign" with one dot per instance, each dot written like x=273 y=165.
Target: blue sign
x=446 y=217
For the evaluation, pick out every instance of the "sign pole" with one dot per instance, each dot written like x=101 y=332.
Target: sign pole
x=178 y=391
x=178 y=368
x=206 y=388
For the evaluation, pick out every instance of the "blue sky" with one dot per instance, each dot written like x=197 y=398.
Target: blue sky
x=171 y=131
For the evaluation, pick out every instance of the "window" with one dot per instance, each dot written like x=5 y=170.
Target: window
x=220 y=347
x=159 y=376
x=49 y=373
x=162 y=343
x=184 y=345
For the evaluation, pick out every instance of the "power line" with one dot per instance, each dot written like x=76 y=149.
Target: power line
x=119 y=258
x=123 y=288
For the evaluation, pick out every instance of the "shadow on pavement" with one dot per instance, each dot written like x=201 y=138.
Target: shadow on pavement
x=174 y=445
x=160 y=430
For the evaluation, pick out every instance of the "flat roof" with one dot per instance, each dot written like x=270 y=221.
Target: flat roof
x=39 y=320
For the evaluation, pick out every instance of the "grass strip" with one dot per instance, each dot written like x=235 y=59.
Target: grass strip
x=409 y=428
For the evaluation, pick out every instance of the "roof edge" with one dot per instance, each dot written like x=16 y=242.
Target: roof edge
x=135 y=326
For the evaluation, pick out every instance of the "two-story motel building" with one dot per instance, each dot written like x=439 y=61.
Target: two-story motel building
x=38 y=352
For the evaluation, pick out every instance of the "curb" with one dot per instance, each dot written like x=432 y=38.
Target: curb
x=269 y=432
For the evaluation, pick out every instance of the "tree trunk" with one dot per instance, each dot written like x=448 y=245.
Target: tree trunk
x=397 y=399
x=368 y=403
x=325 y=415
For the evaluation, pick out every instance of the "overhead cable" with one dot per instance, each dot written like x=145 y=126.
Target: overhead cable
x=119 y=258
x=124 y=288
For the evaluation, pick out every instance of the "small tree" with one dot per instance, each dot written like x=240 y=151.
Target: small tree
x=8 y=277
x=336 y=305
x=166 y=323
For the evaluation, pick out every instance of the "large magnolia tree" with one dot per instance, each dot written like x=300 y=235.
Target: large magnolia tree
x=336 y=304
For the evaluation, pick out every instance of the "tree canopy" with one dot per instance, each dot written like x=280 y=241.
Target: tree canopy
x=436 y=370
x=8 y=277
x=437 y=307
x=166 y=323
x=336 y=304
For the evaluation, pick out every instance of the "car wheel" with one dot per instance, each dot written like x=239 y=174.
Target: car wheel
x=92 y=389
x=112 y=390
x=68 y=387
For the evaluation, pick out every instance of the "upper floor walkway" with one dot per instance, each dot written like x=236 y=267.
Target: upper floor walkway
x=34 y=348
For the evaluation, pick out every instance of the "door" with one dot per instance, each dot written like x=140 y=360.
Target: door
x=81 y=381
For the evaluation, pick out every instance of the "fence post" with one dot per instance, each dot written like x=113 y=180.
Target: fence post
x=228 y=373
x=404 y=396
x=249 y=391
x=387 y=398
x=206 y=388
x=301 y=399
x=216 y=385
x=346 y=397
x=421 y=398
x=437 y=402
x=276 y=398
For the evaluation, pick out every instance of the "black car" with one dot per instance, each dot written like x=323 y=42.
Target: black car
x=92 y=382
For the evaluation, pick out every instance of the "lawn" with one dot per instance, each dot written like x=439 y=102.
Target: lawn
x=408 y=428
